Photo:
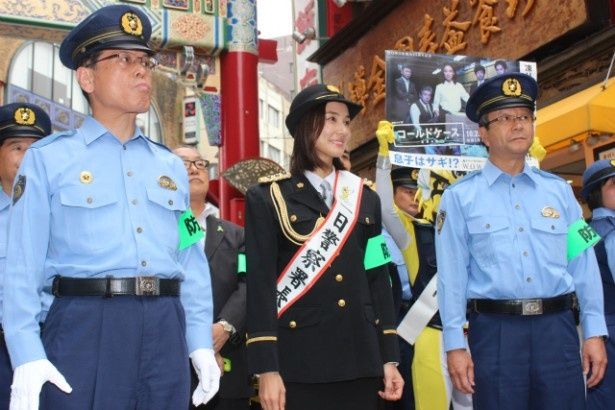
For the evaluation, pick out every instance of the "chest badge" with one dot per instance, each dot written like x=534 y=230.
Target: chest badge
x=549 y=212
x=167 y=183
x=86 y=177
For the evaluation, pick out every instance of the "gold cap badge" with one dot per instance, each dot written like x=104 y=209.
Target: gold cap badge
x=24 y=116
x=333 y=89
x=511 y=87
x=613 y=162
x=131 y=24
x=86 y=177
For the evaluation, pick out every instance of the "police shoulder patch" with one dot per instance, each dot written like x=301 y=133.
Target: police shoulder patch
x=19 y=188
x=440 y=220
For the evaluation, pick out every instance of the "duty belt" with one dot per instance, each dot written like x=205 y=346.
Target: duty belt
x=523 y=307
x=109 y=286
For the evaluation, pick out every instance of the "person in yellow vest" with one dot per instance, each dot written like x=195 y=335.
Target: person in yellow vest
x=410 y=223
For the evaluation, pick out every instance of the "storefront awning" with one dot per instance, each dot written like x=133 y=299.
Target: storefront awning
x=592 y=109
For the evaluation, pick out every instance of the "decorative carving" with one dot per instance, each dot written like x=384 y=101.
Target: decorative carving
x=454 y=31
x=190 y=27
x=427 y=36
x=56 y=11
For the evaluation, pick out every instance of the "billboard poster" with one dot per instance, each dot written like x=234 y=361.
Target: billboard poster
x=425 y=100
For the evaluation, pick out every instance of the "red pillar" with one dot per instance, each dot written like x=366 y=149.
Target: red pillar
x=239 y=91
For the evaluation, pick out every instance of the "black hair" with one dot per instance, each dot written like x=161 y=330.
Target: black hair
x=594 y=199
x=307 y=131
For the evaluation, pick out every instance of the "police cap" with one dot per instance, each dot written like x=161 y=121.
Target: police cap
x=595 y=173
x=312 y=96
x=502 y=91
x=117 y=27
x=23 y=120
x=405 y=176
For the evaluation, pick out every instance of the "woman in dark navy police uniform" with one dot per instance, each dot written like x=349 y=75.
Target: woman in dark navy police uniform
x=599 y=192
x=328 y=342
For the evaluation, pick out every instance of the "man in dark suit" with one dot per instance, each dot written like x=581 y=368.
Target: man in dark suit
x=224 y=247
x=404 y=93
x=479 y=71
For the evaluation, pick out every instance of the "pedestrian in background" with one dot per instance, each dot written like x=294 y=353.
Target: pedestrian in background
x=224 y=247
x=21 y=124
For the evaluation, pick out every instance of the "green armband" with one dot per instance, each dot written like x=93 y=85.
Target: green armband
x=376 y=253
x=241 y=264
x=580 y=237
x=190 y=231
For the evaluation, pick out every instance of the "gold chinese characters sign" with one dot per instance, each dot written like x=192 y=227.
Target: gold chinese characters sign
x=506 y=29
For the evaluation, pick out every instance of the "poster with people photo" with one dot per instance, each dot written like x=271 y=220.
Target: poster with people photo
x=426 y=96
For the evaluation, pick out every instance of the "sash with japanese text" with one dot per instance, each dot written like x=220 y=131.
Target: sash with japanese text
x=323 y=246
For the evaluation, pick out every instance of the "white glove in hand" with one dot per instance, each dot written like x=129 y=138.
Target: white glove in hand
x=28 y=379
x=207 y=370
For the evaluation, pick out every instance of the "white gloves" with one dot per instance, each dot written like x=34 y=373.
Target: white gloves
x=207 y=370
x=28 y=379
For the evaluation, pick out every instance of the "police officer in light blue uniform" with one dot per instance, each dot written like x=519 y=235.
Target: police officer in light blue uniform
x=599 y=192
x=502 y=242
x=100 y=219
x=20 y=125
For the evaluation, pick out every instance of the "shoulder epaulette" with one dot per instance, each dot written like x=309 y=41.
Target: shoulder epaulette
x=467 y=177
x=369 y=183
x=547 y=174
x=53 y=137
x=161 y=145
x=274 y=177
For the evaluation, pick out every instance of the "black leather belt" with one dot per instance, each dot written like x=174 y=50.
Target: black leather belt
x=108 y=287
x=523 y=307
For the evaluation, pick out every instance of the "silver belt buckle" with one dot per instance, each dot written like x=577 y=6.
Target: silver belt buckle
x=147 y=286
x=531 y=307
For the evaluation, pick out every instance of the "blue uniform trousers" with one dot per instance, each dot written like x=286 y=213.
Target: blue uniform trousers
x=526 y=362
x=125 y=352
x=603 y=395
x=6 y=375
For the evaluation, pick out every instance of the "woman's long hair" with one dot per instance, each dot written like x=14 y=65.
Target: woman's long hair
x=304 y=156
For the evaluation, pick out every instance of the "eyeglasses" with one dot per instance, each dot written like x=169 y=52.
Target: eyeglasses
x=508 y=119
x=198 y=164
x=125 y=60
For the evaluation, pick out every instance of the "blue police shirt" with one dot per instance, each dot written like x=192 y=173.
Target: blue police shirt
x=498 y=242
x=398 y=259
x=5 y=201
x=609 y=241
x=92 y=207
